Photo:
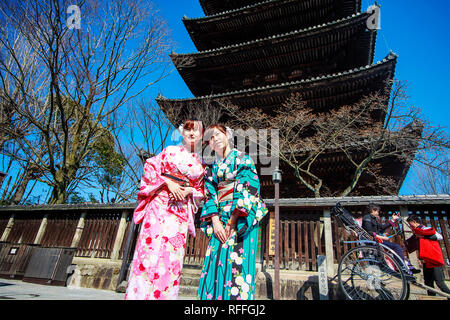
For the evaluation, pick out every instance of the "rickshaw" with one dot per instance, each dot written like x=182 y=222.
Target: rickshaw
x=371 y=270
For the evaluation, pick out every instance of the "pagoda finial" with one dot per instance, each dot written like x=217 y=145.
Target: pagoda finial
x=392 y=54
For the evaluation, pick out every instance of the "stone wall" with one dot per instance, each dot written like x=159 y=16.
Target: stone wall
x=294 y=286
x=94 y=273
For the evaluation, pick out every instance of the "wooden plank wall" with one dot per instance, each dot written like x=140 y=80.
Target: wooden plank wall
x=98 y=235
x=60 y=229
x=25 y=227
x=301 y=240
x=3 y=223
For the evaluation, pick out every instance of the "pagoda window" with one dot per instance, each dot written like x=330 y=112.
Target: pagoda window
x=271 y=78
x=246 y=82
x=295 y=74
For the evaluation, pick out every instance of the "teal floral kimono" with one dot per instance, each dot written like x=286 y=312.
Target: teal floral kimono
x=229 y=269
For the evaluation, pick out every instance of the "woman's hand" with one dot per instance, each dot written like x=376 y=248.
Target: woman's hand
x=185 y=192
x=219 y=230
x=382 y=238
x=395 y=217
x=229 y=229
x=231 y=225
x=177 y=191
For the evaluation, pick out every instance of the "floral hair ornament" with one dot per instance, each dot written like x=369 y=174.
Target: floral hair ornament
x=230 y=133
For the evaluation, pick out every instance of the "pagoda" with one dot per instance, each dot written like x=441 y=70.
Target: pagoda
x=257 y=53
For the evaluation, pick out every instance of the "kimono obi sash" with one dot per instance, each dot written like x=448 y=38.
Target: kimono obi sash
x=225 y=190
x=178 y=178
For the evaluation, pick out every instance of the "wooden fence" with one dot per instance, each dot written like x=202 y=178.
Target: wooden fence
x=60 y=229
x=99 y=235
x=306 y=229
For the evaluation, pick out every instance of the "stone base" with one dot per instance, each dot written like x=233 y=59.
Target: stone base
x=95 y=273
x=294 y=285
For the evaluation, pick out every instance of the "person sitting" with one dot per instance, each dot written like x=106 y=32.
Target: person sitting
x=372 y=224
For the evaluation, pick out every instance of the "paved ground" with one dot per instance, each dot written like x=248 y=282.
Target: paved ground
x=19 y=290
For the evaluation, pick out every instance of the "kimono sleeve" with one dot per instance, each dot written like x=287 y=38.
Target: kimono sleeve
x=246 y=199
x=210 y=207
x=151 y=181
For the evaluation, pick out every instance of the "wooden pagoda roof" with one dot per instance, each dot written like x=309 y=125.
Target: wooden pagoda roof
x=258 y=19
x=321 y=93
x=323 y=49
x=216 y=6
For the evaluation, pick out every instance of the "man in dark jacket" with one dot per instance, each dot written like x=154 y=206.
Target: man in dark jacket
x=430 y=253
x=372 y=224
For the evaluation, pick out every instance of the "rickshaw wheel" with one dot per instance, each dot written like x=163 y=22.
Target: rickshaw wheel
x=364 y=274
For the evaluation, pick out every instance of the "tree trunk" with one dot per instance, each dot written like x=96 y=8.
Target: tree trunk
x=20 y=191
x=63 y=178
x=59 y=194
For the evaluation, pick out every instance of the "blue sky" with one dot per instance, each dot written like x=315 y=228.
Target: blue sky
x=418 y=31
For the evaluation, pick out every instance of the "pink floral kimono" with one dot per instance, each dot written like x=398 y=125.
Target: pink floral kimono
x=158 y=257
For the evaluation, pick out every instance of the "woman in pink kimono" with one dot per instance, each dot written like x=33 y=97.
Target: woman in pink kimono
x=171 y=189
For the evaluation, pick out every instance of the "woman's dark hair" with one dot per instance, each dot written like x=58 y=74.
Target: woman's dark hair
x=190 y=124
x=414 y=218
x=372 y=207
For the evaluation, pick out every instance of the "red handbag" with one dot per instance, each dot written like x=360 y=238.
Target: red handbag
x=430 y=251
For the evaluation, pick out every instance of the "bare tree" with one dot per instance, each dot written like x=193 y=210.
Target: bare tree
x=25 y=70
x=86 y=75
x=208 y=111
x=430 y=180
x=380 y=126
x=141 y=133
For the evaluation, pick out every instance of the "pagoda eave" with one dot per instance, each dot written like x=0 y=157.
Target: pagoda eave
x=213 y=8
x=321 y=93
x=216 y=6
x=226 y=68
x=263 y=19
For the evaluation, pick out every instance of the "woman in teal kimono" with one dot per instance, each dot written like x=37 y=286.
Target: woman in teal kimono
x=230 y=217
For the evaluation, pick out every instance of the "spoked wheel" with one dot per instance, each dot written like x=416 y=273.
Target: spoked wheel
x=369 y=273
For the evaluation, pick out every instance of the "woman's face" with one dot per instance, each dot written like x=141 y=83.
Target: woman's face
x=218 y=141
x=375 y=213
x=192 y=136
x=413 y=224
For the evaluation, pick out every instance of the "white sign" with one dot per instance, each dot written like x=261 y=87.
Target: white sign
x=323 y=279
